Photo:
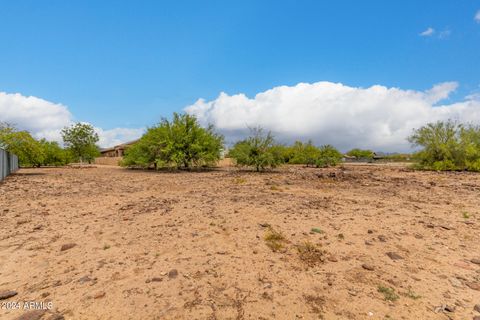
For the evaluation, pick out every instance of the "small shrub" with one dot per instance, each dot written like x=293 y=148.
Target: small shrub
x=181 y=142
x=388 y=293
x=316 y=230
x=239 y=180
x=328 y=156
x=361 y=154
x=310 y=254
x=447 y=146
x=275 y=188
x=257 y=151
x=275 y=240
x=303 y=153
x=412 y=295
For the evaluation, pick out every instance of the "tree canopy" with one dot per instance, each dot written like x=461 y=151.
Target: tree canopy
x=22 y=144
x=447 y=145
x=257 y=151
x=361 y=153
x=80 y=140
x=304 y=153
x=328 y=156
x=181 y=142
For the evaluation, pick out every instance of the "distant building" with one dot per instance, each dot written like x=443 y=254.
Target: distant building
x=116 y=151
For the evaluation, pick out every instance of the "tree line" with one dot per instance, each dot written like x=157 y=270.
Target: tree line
x=79 y=146
x=183 y=143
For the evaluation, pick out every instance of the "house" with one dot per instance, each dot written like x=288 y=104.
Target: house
x=116 y=151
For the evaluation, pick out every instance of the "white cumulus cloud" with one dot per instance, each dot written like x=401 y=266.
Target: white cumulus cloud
x=377 y=117
x=477 y=16
x=45 y=119
x=428 y=32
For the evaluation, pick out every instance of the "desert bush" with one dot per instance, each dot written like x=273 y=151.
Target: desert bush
x=257 y=151
x=22 y=144
x=283 y=152
x=310 y=254
x=447 y=146
x=54 y=155
x=328 y=156
x=275 y=240
x=389 y=294
x=303 y=153
x=361 y=153
x=80 y=140
x=181 y=142
x=30 y=151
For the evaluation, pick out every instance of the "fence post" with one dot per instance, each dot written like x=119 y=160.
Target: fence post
x=8 y=163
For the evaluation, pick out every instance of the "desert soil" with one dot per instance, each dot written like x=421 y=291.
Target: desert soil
x=358 y=242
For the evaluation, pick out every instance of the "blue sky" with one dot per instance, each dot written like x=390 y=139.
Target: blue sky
x=128 y=63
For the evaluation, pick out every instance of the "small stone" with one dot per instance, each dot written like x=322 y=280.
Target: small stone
x=368 y=243
x=368 y=267
x=84 y=279
x=473 y=285
x=56 y=316
x=369 y=231
x=475 y=261
x=99 y=295
x=45 y=294
x=172 y=273
x=157 y=279
x=32 y=315
x=382 y=238
x=7 y=294
x=394 y=256
x=449 y=308
x=455 y=282
x=332 y=259
x=477 y=307
x=67 y=246
x=57 y=283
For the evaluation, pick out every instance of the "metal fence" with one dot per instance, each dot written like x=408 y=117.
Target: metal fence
x=8 y=163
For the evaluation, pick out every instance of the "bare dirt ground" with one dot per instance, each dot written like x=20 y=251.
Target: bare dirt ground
x=359 y=242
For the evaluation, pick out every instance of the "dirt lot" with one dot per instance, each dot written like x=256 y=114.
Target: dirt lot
x=360 y=242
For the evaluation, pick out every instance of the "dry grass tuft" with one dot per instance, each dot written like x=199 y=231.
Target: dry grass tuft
x=310 y=254
x=275 y=240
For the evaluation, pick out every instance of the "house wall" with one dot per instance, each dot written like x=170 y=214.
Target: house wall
x=109 y=161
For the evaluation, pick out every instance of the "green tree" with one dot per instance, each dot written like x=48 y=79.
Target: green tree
x=147 y=151
x=328 y=156
x=80 y=140
x=361 y=154
x=181 y=142
x=304 y=153
x=447 y=145
x=257 y=151
x=53 y=153
x=470 y=142
x=22 y=144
